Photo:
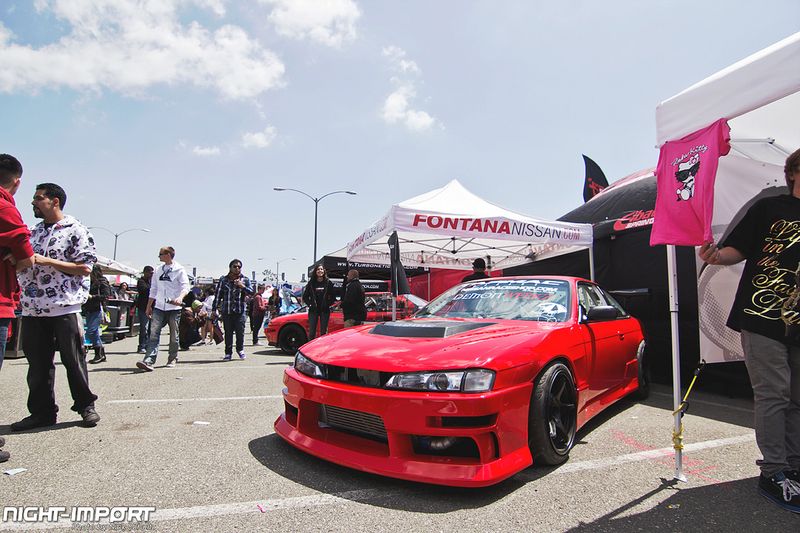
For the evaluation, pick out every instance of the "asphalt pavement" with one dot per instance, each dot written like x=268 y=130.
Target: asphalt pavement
x=196 y=444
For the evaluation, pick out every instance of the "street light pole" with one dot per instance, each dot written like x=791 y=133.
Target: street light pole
x=316 y=208
x=278 y=267
x=116 y=235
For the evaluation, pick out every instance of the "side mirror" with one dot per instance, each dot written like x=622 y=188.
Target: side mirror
x=602 y=312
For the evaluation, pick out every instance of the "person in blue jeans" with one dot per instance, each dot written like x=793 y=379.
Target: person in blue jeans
x=229 y=302
x=142 y=297
x=169 y=285
x=99 y=293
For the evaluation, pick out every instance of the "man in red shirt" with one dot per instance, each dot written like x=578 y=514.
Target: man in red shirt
x=15 y=252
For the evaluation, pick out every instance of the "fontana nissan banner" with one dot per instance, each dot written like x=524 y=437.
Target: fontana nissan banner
x=450 y=227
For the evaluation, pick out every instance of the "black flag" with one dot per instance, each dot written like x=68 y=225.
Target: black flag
x=399 y=280
x=595 y=180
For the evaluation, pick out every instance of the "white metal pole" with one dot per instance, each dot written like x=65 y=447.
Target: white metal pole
x=591 y=262
x=429 y=285
x=672 y=278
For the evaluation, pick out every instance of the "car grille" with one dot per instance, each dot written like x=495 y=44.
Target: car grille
x=354 y=421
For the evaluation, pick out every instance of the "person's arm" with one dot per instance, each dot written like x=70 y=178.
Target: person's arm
x=183 y=278
x=67 y=267
x=216 y=297
x=81 y=257
x=16 y=238
x=711 y=254
x=105 y=290
x=248 y=288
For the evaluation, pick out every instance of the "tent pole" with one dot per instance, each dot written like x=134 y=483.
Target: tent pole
x=672 y=278
x=591 y=262
x=394 y=293
x=429 y=285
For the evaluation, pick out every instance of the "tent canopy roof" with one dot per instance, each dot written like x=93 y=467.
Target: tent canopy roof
x=449 y=227
x=113 y=268
x=762 y=90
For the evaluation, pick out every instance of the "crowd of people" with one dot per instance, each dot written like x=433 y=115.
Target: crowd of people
x=50 y=274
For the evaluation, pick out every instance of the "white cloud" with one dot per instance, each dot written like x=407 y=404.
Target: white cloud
x=397 y=106
x=206 y=151
x=131 y=45
x=330 y=22
x=259 y=139
x=397 y=58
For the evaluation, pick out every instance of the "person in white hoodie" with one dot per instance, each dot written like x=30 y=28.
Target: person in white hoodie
x=168 y=286
x=52 y=294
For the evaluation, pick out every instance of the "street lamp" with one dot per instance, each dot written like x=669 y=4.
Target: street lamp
x=316 y=206
x=278 y=267
x=116 y=235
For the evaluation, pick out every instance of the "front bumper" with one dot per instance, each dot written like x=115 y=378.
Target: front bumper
x=497 y=423
x=271 y=335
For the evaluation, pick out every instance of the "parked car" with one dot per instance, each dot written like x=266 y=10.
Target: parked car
x=289 y=332
x=490 y=377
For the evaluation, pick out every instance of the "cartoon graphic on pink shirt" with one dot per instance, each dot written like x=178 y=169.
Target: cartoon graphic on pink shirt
x=685 y=174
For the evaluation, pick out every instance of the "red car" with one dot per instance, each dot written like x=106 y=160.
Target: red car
x=490 y=377
x=289 y=332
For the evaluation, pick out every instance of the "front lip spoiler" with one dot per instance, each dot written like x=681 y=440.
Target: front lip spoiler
x=458 y=475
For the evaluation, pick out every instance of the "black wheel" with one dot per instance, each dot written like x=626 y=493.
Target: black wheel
x=643 y=391
x=553 y=416
x=290 y=338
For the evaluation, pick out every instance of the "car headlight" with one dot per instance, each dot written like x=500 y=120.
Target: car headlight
x=306 y=366
x=476 y=380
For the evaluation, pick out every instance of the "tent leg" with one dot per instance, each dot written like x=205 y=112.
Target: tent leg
x=394 y=308
x=591 y=262
x=672 y=278
x=429 y=285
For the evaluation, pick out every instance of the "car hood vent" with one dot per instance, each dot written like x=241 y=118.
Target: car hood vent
x=434 y=329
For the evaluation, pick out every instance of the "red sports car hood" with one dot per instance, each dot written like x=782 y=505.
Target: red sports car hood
x=464 y=343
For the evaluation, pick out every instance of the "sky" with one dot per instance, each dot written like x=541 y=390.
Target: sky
x=181 y=116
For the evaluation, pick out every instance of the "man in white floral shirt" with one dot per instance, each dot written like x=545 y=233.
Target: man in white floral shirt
x=52 y=294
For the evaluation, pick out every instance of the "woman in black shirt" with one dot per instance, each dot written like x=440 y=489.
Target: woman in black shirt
x=318 y=296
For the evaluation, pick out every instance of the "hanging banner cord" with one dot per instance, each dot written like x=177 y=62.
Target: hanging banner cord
x=677 y=436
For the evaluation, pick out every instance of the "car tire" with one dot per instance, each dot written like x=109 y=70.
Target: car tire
x=643 y=390
x=290 y=338
x=553 y=417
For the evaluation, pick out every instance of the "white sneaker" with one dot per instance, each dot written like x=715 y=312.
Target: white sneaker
x=171 y=364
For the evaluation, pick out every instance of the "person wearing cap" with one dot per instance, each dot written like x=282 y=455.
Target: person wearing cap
x=478 y=271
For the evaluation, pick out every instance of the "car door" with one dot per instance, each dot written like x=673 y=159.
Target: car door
x=605 y=340
x=336 y=321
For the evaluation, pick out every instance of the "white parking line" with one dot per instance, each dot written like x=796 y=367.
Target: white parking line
x=706 y=402
x=181 y=400
x=596 y=464
x=317 y=500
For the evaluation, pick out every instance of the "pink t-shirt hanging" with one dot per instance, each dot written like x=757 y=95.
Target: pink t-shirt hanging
x=685 y=178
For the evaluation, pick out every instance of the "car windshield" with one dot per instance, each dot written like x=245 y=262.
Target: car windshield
x=514 y=299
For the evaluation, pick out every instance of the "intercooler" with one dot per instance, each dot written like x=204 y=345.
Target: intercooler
x=353 y=421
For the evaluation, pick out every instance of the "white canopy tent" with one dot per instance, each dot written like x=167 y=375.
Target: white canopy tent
x=114 y=268
x=760 y=98
x=449 y=227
